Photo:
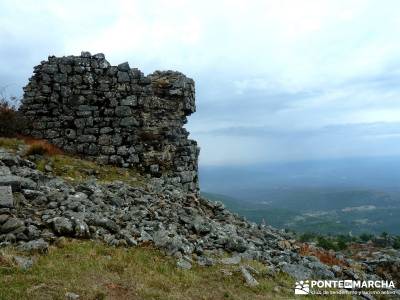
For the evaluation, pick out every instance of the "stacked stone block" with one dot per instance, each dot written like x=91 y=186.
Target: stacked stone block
x=115 y=115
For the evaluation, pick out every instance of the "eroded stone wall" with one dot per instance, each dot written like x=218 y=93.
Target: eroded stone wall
x=115 y=115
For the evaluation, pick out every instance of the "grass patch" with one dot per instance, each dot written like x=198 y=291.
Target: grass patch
x=76 y=169
x=11 y=143
x=41 y=147
x=70 y=167
x=96 y=271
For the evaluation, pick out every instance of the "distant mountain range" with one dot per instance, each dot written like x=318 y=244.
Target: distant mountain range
x=336 y=196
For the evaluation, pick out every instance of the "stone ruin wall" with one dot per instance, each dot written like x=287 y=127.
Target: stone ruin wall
x=115 y=115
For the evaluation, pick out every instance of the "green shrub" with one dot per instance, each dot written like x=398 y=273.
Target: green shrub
x=365 y=237
x=396 y=244
x=11 y=121
x=326 y=244
x=307 y=237
x=341 y=244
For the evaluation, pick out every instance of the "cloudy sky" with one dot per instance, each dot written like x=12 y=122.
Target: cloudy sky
x=276 y=80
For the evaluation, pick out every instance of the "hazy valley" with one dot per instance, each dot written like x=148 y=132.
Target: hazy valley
x=334 y=196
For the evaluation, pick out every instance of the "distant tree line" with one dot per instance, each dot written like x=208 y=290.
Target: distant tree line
x=342 y=242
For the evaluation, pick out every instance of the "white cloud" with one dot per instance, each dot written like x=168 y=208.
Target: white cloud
x=285 y=64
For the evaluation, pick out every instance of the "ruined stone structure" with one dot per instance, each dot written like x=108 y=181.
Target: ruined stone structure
x=115 y=115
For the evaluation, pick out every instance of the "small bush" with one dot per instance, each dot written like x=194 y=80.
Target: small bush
x=307 y=237
x=323 y=255
x=396 y=244
x=341 y=245
x=39 y=147
x=365 y=237
x=326 y=243
x=36 y=149
x=342 y=241
x=11 y=122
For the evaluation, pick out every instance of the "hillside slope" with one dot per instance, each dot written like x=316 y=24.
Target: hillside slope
x=58 y=196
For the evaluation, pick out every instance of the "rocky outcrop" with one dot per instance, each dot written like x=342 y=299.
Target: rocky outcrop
x=123 y=215
x=115 y=114
x=188 y=227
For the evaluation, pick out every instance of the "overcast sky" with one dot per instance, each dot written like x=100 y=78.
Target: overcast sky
x=276 y=80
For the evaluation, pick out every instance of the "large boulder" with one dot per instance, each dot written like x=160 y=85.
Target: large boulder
x=62 y=226
x=17 y=183
x=11 y=225
x=299 y=272
x=6 y=197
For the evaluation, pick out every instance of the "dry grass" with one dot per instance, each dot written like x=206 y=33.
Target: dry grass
x=32 y=146
x=76 y=169
x=70 y=167
x=96 y=271
x=12 y=144
x=40 y=147
x=323 y=255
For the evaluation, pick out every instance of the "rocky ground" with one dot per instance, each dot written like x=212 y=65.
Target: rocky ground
x=383 y=261
x=37 y=208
